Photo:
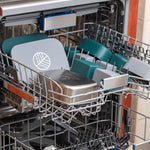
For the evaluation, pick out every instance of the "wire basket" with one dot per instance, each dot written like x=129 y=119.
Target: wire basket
x=39 y=90
x=101 y=131
x=117 y=43
x=127 y=47
x=96 y=128
x=45 y=94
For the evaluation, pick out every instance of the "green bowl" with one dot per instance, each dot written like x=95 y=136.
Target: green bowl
x=8 y=44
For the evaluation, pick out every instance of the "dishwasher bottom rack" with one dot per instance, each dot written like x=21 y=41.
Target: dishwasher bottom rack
x=101 y=131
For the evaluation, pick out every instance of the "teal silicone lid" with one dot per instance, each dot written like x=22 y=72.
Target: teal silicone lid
x=8 y=44
x=71 y=53
x=119 y=61
x=84 y=68
x=96 y=49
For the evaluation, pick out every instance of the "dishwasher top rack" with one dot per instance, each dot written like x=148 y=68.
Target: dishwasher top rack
x=47 y=102
x=32 y=90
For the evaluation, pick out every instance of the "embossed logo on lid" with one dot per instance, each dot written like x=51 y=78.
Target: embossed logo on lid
x=41 y=60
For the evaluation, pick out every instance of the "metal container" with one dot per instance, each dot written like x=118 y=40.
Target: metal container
x=109 y=80
x=72 y=85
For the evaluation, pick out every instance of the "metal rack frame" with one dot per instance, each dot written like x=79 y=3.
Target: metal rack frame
x=47 y=101
x=57 y=111
x=101 y=131
x=127 y=47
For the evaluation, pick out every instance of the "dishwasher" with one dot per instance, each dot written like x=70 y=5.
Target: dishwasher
x=62 y=84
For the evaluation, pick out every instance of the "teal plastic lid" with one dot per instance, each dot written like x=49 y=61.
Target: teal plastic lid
x=84 y=68
x=119 y=61
x=96 y=49
x=8 y=44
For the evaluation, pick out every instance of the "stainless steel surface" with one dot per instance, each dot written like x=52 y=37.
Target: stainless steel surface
x=115 y=82
x=143 y=145
x=32 y=18
x=72 y=85
x=126 y=5
x=58 y=21
x=28 y=6
x=101 y=74
x=7 y=111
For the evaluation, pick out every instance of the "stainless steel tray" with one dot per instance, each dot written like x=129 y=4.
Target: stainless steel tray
x=113 y=83
x=73 y=85
x=109 y=80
